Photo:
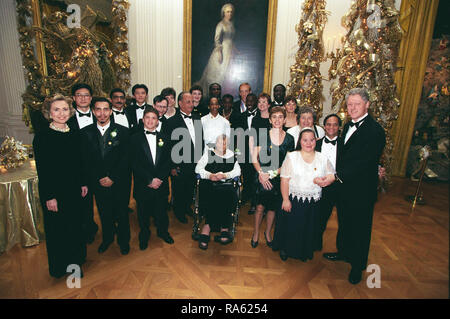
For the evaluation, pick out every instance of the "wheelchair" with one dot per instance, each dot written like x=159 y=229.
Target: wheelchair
x=198 y=215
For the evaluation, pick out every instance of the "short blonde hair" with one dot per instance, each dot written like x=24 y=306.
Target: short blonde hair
x=50 y=100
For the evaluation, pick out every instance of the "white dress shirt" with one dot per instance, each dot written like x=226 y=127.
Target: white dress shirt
x=103 y=129
x=151 y=140
x=330 y=150
x=190 y=125
x=213 y=127
x=250 y=119
x=120 y=118
x=84 y=121
x=352 y=129
x=139 y=112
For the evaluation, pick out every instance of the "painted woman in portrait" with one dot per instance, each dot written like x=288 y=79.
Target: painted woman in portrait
x=220 y=57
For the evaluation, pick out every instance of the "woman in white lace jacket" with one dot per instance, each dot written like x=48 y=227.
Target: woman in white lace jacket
x=303 y=174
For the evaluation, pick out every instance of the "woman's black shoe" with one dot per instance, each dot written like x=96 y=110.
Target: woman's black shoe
x=268 y=243
x=203 y=241
x=283 y=255
x=254 y=243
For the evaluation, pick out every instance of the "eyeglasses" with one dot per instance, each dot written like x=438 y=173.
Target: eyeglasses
x=82 y=95
x=115 y=97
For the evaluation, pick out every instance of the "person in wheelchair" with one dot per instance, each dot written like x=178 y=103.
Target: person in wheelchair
x=218 y=198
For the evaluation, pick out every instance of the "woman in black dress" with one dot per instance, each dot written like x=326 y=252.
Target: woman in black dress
x=303 y=174
x=59 y=168
x=261 y=120
x=217 y=198
x=268 y=155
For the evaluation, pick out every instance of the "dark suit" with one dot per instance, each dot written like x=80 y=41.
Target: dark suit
x=130 y=112
x=90 y=228
x=237 y=106
x=150 y=202
x=328 y=201
x=127 y=115
x=245 y=159
x=357 y=167
x=108 y=156
x=183 y=159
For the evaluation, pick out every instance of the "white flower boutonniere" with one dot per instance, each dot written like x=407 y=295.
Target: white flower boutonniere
x=237 y=152
x=113 y=133
x=160 y=142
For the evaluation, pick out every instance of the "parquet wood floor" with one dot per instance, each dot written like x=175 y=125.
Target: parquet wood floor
x=411 y=248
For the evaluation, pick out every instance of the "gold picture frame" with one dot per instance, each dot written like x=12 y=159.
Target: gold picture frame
x=269 y=44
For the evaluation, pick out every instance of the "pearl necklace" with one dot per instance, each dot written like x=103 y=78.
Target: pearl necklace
x=63 y=130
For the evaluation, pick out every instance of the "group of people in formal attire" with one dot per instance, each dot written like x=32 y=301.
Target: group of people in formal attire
x=293 y=171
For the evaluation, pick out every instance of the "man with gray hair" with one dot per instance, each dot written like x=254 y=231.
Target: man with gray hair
x=357 y=174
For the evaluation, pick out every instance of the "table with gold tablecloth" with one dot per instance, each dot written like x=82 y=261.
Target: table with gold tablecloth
x=21 y=215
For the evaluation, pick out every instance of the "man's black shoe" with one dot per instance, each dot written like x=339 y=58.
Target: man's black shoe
x=143 y=245
x=355 y=276
x=103 y=247
x=334 y=257
x=124 y=250
x=167 y=238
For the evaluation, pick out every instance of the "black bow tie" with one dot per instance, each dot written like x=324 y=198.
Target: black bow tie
x=251 y=113
x=186 y=116
x=140 y=107
x=153 y=133
x=332 y=142
x=119 y=112
x=84 y=114
x=357 y=124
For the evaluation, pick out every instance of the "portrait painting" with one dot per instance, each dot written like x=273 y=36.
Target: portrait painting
x=229 y=42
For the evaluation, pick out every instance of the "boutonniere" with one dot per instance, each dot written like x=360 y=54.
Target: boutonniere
x=160 y=142
x=114 y=134
x=237 y=152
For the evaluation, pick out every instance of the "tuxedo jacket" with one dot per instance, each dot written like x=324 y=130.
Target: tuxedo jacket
x=193 y=155
x=326 y=191
x=357 y=163
x=143 y=167
x=127 y=115
x=73 y=122
x=113 y=162
x=242 y=123
x=130 y=112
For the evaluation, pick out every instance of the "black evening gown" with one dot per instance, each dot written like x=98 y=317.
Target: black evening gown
x=271 y=157
x=218 y=199
x=59 y=168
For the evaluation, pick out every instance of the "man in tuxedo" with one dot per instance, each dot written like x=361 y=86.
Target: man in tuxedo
x=244 y=128
x=357 y=173
x=105 y=149
x=118 y=99
x=244 y=90
x=186 y=144
x=330 y=145
x=83 y=117
x=161 y=105
x=279 y=94
x=150 y=162
x=135 y=110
